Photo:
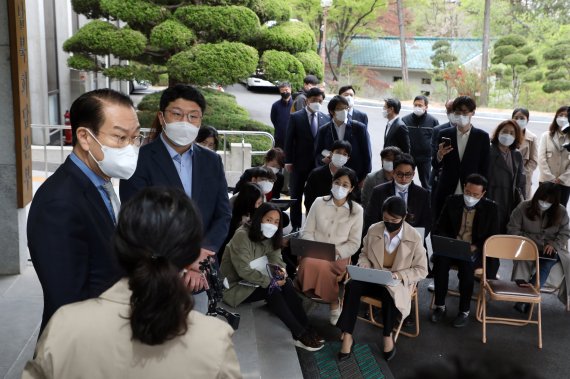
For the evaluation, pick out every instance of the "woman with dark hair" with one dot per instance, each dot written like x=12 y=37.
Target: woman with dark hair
x=336 y=219
x=263 y=176
x=244 y=265
x=208 y=137
x=275 y=161
x=393 y=245
x=528 y=147
x=553 y=158
x=144 y=325
x=545 y=221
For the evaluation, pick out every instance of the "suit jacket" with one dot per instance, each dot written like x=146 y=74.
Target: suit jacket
x=419 y=210
x=300 y=143
x=318 y=184
x=410 y=262
x=421 y=132
x=360 y=160
x=359 y=116
x=475 y=160
x=398 y=136
x=485 y=222
x=435 y=140
x=280 y=113
x=209 y=187
x=93 y=338
x=69 y=237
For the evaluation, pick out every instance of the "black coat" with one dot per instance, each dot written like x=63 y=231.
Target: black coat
x=300 y=143
x=420 y=131
x=398 y=136
x=359 y=116
x=319 y=184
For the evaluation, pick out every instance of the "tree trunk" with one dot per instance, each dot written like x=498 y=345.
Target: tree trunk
x=484 y=99
x=402 y=42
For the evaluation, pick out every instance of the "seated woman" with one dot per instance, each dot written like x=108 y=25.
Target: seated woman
x=208 y=137
x=392 y=245
x=262 y=238
x=275 y=161
x=545 y=221
x=334 y=219
x=144 y=325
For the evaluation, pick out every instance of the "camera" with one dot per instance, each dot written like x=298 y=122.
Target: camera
x=215 y=292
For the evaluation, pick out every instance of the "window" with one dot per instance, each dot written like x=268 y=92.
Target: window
x=426 y=81
x=396 y=78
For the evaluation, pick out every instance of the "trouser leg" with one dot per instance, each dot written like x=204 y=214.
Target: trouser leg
x=466 y=281
x=280 y=307
x=297 y=186
x=424 y=169
x=389 y=311
x=440 y=272
x=352 y=293
x=295 y=303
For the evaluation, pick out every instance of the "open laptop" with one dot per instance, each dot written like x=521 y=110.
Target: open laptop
x=313 y=249
x=451 y=248
x=372 y=275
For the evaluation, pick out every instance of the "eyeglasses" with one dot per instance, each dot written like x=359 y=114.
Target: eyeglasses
x=402 y=175
x=180 y=116
x=123 y=141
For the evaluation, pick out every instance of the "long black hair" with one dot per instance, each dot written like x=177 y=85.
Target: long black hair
x=546 y=191
x=255 y=233
x=159 y=232
x=245 y=204
x=353 y=182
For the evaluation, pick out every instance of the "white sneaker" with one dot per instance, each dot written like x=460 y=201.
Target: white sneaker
x=334 y=316
x=307 y=342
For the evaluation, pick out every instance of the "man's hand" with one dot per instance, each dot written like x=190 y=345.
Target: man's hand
x=204 y=253
x=289 y=167
x=549 y=250
x=194 y=281
x=443 y=151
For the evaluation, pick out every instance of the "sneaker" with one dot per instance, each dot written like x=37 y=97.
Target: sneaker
x=314 y=335
x=335 y=315
x=461 y=320
x=307 y=342
x=438 y=314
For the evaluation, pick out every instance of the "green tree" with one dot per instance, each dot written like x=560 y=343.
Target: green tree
x=444 y=62
x=278 y=65
x=557 y=59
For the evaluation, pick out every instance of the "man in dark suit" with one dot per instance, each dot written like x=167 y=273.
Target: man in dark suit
x=396 y=133
x=420 y=126
x=73 y=214
x=300 y=148
x=468 y=217
x=172 y=159
x=435 y=140
x=280 y=114
x=348 y=93
x=341 y=128
x=468 y=152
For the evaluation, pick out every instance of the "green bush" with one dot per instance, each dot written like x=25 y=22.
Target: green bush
x=90 y=8
x=267 y=10
x=293 y=37
x=172 y=35
x=134 y=72
x=223 y=63
x=282 y=66
x=312 y=63
x=82 y=62
x=136 y=12
x=215 y=24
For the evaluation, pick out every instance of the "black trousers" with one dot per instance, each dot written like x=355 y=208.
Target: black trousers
x=424 y=170
x=296 y=187
x=564 y=194
x=352 y=292
x=286 y=305
x=465 y=273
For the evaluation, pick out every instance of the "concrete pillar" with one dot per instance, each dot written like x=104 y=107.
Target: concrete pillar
x=13 y=252
x=64 y=30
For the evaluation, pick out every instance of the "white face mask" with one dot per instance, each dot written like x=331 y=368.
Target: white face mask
x=339 y=160
x=470 y=201
x=350 y=100
x=561 y=121
x=181 y=133
x=339 y=192
x=544 y=205
x=268 y=230
x=522 y=123
x=274 y=169
x=266 y=186
x=315 y=107
x=452 y=119
x=506 y=139
x=119 y=163
x=419 y=111
x=341 y=116
x=384 y=113
x=388 y=166
x=401 y=187
x=463 y=121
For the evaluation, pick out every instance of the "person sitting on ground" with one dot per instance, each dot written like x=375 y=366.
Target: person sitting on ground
x=333 y=219
x=469 y=217
x=262 y=237
x=144 y=325
x=275 y=161
x=262 y=176
x=385 y=174
x=208 y=137
x=545 y=221
x=393 y=245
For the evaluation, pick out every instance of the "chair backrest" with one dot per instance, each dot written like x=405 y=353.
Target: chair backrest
x=510 y=247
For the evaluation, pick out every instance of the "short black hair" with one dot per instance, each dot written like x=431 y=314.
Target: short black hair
x=478 y=180
x=343 y=89
x=395 y=151
x=464 y=100
x=331 y=106
x=315 y=91
x=284 y=84
x=395 y=206
x=182 y=91
x=342 y=144
x=255 y=233
x=206 y=132
x=405 y=158
x=260 y=172
x=311 y=79
x=423 y=98
x=394 y=104
x=524 y=111
x=88 y=110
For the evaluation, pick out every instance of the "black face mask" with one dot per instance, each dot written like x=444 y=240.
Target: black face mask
x=285 y=95
x=393 y=226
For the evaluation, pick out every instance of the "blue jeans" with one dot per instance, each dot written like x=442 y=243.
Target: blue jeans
x=544 y=267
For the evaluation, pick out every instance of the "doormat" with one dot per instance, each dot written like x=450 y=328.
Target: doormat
x=361 y=364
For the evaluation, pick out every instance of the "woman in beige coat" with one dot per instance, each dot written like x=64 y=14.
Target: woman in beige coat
x=144 y=325
x=334 y=219
x=392 y=245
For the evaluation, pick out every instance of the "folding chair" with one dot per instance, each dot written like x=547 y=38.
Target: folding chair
x=513 y=248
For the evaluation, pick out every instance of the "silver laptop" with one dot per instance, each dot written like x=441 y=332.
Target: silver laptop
x=372 y=275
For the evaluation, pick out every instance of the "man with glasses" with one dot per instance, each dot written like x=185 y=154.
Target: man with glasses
x=468 y=217
x=172 y=159
x=74 y=212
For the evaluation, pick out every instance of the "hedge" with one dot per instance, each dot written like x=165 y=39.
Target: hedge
x=290 y=36
x=282 y=66
x=172 y=35
x=312 y=63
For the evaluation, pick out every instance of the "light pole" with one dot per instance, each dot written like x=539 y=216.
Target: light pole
x=325 y=4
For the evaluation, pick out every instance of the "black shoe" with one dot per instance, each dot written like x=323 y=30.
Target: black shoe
x=389 y=355
x=314 y=335
x=409 y=321
x=438 y=314
x=461 y=320
x=522 y=307
x=344 y=356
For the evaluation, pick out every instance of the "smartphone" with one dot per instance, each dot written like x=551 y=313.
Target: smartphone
x=446 y=141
